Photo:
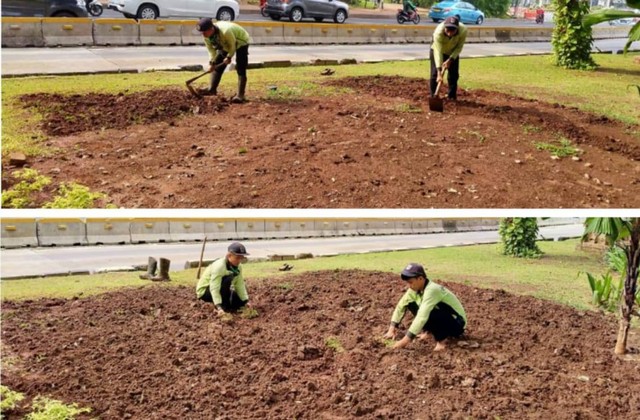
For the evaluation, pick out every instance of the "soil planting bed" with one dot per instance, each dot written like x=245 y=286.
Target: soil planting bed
x=377 y=146
x=157 y=353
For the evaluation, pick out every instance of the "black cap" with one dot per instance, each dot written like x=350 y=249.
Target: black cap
x=237 y=248
x=413 y=270
x=204 y=24
x=451 y=22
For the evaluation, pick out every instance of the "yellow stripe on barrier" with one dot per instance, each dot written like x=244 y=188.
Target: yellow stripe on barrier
x=10 y=228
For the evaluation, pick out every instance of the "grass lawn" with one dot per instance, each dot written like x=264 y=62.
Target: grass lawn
x=554 y=277
x=608 y=91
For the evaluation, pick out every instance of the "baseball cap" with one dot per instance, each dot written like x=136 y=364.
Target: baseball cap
x=237 y=248
x=204 y=24
x=413 y=270
x=451 y=22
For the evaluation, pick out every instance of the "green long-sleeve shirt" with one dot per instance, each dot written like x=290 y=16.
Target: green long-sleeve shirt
x=231 y=37
x=443 y=45
x=431 y=296
x=212 y=277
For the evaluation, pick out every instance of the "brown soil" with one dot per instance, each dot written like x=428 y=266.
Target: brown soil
x=157 y=353
x=378 y=147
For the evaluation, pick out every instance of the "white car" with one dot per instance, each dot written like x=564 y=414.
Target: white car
x=154 y=9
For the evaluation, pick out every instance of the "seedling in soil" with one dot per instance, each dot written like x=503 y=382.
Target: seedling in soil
x=285 y=286
x=563 y=149
x=334 y=343
x=408 y=108
x=226 y=318
x=531 y=129
x=9 y=399
x=387 y=342
x=248 y=313
x=242 y=150
x=480 y=137
x=47 y=409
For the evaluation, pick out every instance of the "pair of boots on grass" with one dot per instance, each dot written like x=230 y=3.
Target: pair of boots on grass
x=152 y=268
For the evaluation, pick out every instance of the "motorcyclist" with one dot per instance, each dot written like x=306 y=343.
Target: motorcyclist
x=539 y=15
x=408 y=8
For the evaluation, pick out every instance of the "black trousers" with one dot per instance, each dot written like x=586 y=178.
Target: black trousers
x=443 y=321
x=231 y=302
x=242 y=61
x=453 y=74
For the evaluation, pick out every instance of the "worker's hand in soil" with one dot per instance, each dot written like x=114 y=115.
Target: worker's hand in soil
x=422 y=336
x=402 y=343
x=391 y=332
x=220 y=312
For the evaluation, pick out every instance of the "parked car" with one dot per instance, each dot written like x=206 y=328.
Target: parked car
x=46 y=8
x=466 y=12
x=296 y=10
x=154 y=9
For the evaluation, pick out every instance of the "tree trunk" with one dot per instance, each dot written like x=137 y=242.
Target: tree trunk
x=630 y=284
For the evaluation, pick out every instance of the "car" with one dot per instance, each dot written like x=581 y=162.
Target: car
x=466 y=12
x=154 y=9
x=45 y=8
x=296 y=10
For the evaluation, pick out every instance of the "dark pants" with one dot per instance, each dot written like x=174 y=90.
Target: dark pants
x=231 y=302
x=242 y=61
x=453 y=74
x=443 y=321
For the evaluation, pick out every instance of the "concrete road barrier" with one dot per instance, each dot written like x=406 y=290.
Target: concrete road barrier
x=19 y=233
x=301 y=228
x=418 y=35
x=487 y=35
x=265 y=33
x=186 y=230
x=108 y=231
x=188 y=33
x=376 y=227
x=149 y=231
x=220 y=229
x=403 y=227
x=277 y=229
x=298 y=33
x=347 y=228
x=22 y=32
x=325 y=34
x=161 y=32
x=116 y=32
x=67 y=32
x=325 y=228
x=61 y=232
x=250 y=229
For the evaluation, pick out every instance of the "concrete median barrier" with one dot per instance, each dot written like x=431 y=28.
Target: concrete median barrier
x=487 y=35
x=188 y=33
x=22 y=32
x=67 y=32
x=418 y=35
x=297 y=33
x=265 y=33
x=347 y=228
x=160 y=32
x=277 y=229
x=403 y=227
x=61 y=232
x=186 y=230
x=220 y=229
x=303 y=229
x=376 y=227
x=150 y=231
x=250 y=229
x=325 y=34
x=18 y=233
x=427 y=226
x=325 y=228
x=116 y=32
x=108 y=231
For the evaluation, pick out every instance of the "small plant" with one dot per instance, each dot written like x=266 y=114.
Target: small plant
x=476 y=134
x=248 y=313
x=285 y=286
x=74 y=196
x=408 y=108
x=564 y=148
x=605 y=293
x=242 y=151
x=19 y=196
x=387 y=342
x=334 y=343
x=531 y=129
x=9 y=399
x=49 y=409
x=312 y=130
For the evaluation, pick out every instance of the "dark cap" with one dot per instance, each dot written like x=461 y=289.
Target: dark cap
x=237 y=248
x=204 y=24
x=451 y=22
x=413 y=270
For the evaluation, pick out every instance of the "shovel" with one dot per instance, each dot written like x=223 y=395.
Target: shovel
x=436 y=103
x=193 y=79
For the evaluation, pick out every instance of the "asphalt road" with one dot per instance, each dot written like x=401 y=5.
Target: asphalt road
x=34 y=262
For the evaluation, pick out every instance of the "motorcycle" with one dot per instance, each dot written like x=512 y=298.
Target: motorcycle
x=403 y=17
x=540 y=17
x=94 y=7
x=263 y=8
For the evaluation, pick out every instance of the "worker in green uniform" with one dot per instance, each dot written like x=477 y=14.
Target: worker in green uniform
x=448 y=40
x=224 y=40
x=222 y=282
x=435 y=309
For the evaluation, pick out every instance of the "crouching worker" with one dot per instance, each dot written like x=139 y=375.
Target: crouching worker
x=222 y=282
x=434 y=307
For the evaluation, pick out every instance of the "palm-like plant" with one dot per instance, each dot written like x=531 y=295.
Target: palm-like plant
x=606 y=15
x=625 y=234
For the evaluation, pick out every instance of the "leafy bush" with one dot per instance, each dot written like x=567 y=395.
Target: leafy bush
x=74 y=196
x=605 y=293
x=492 y=8
x=48 y=409
x=8 y=399
x=571 y=40
x=519 y=236
x=20 y=195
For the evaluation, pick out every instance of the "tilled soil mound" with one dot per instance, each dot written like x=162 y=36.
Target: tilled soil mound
x=375 y=146
x=315 y=351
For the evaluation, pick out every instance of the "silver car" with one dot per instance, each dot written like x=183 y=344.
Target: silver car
x=296 y=10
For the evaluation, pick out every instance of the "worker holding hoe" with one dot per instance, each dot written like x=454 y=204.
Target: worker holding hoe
x=222 y=282
x=434 y=307
x=224 y=40
x=448 y=39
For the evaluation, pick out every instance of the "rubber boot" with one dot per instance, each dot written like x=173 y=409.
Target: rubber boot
x=215 y=82
x=164 y=271
x=242 y=86
x=151 y=269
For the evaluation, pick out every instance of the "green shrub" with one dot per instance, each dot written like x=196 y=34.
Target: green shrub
x=74 y=196
x=571 y=40
x=8 y=399
x=48 y=409
x=19 y=196
x=519 y=236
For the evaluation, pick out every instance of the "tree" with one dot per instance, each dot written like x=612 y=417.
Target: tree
x=519 y=236
x=571 y=40
x=606 y=15
x=625 y=234
x=492 y=8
